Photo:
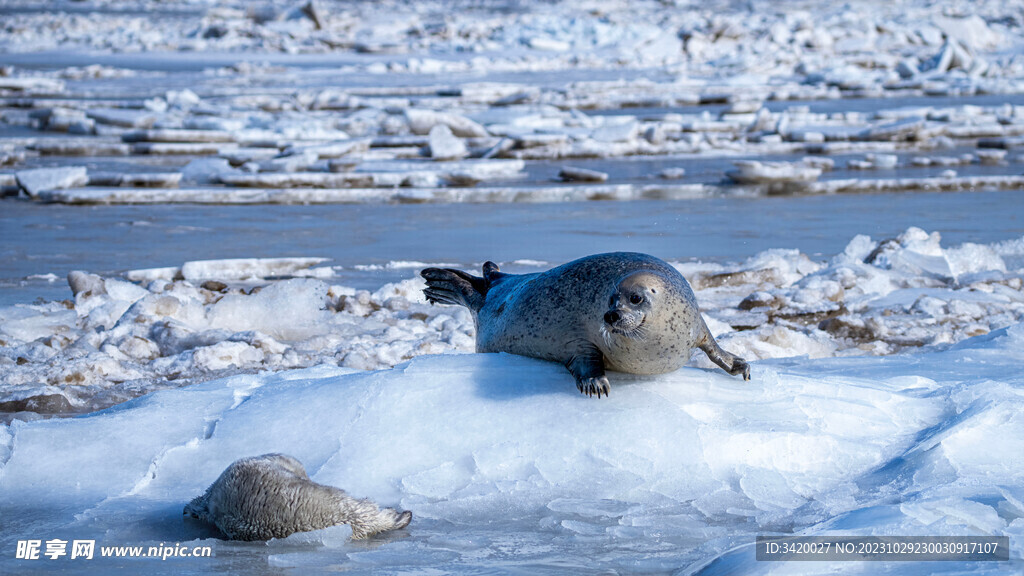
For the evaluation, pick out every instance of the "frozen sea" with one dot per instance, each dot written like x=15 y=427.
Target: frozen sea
x=213 y=213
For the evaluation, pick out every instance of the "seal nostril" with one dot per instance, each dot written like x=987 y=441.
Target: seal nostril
x=611 y=317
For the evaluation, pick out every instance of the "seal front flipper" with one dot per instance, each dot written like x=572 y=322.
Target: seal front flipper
x=587 y=366
x=730 y=363
x=448 y=286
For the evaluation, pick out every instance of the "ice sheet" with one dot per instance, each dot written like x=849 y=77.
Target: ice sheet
x=670 y=472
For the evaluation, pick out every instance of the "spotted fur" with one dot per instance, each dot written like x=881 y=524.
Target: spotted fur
x=622 y=311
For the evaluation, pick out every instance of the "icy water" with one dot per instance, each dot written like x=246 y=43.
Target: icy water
x=52 y=239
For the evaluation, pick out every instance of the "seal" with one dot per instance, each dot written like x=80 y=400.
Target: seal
x=271 y=496
x=623 y=311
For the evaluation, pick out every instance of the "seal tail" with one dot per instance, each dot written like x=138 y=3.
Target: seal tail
x=449 y=286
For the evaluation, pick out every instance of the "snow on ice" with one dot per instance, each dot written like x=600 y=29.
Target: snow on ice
x=168 y=327
x=503 y=463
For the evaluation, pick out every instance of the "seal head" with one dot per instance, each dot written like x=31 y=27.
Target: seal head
x=634 y=299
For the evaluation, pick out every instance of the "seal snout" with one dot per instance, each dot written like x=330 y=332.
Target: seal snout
x=628 y=323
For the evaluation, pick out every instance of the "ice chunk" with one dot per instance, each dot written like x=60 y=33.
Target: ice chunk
x=921 y=254
x=74 y=147
x=334 y=149
x=289 y=163
x=951 y=56
x=569 y=173
x=444 y=145
x=548 y=44
x=907 y=68
x=172 y=135
x=423 y=121
x=957 y=512
x=205 y=170
x=27 y=325
x=438 y=482
x=239 y=156
x=178 y=148
x=973 y=258
x=146 y=179
x=616 y=131
x=223 y=355
x=122 y=117
x=768 y=490
x=40 y=180
x=874 y=162
x=756 y=172
x=81 y=282
x=992 y=463
x=991 y=157
x=246 y=268
x=972 y=30
x=276 y=179
x=289 y=310
x=905 y=129
x=31 y=84
x=184 y=98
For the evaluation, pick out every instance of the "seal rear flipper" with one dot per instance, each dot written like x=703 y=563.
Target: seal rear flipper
x=449 y=286
x=731 y=363
x=587 y=367
x=492 y=274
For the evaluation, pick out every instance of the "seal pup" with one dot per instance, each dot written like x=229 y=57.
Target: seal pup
x=623 y=311
x=270 y=496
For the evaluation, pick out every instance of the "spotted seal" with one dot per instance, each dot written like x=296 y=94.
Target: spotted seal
x=623 y=311
x=271 y=496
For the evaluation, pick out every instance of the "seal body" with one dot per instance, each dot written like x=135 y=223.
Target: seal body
x=623 y=311
x=271 y=496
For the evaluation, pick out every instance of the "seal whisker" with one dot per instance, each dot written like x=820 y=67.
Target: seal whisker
x=641 y=332
x=638 y=332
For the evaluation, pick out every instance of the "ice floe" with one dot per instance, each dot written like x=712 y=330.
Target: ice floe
x=170 y=326
x=502 y=462
x=39 y=180
x=556 y=83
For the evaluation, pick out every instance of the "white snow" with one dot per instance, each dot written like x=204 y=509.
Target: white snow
x=117 y=339
x=672 y=471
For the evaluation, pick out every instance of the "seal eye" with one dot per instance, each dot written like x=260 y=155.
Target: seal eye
x=636 y=299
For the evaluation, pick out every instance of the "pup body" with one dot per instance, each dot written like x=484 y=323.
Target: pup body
x=271 y=496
